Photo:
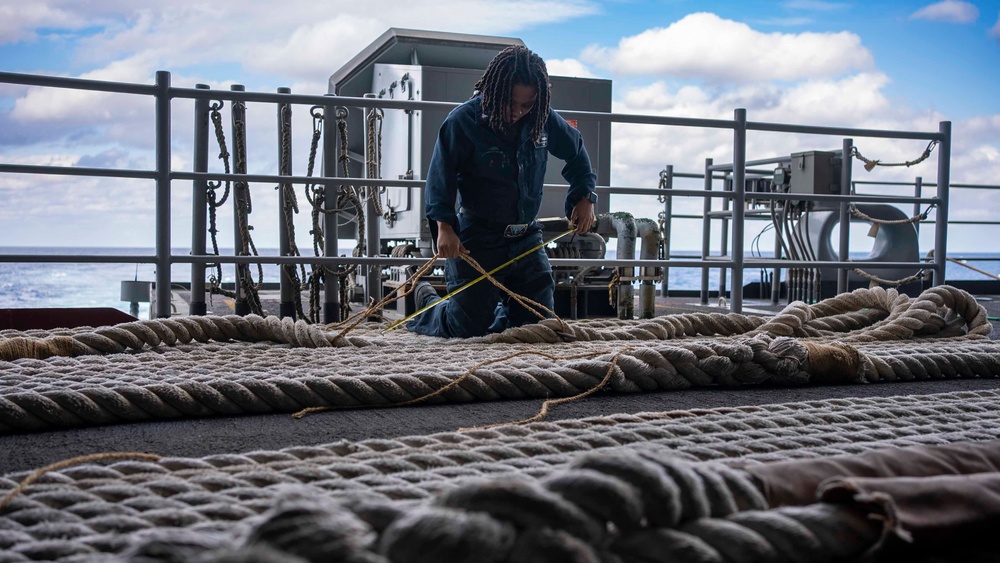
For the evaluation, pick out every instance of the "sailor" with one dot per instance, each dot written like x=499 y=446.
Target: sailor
x=484 y=191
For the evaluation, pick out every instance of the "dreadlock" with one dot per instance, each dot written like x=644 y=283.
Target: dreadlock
x=516 y=64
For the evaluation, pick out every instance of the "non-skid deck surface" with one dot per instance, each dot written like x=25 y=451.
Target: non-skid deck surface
x=87 y=512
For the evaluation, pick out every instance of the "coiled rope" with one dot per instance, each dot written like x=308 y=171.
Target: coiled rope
x=641 y=503
x=941 y=311
x=204 y=366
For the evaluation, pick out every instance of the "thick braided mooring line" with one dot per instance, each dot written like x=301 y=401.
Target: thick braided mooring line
x=863 y=315
x=173 y=331
x=244 y=378
x=628 y=507
x=850 y=317
x=190 y=509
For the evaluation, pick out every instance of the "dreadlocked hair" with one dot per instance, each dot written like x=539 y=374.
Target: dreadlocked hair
x=516 y=64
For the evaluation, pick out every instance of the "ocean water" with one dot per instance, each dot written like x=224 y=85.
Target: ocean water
x=28 y=285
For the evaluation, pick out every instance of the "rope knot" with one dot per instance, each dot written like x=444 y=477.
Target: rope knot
x=835 y=362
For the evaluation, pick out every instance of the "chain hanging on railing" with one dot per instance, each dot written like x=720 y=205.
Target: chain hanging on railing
x=875 y=281
x=349 y=195
x=316 y=196
x=870 y=164
x=244 y=207
x=214 y=202
x=214 y=285
x=661 y=251
x=373 y=160
x=290 y=207
x=662 y=197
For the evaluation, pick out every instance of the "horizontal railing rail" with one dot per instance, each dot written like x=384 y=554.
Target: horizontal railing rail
x=163 y=175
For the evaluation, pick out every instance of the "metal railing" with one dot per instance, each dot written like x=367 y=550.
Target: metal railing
x=164 y=177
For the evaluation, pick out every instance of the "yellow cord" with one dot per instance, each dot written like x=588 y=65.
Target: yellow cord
x=477 y=280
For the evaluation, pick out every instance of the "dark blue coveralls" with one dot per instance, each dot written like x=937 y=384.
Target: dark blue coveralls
x=489 y=188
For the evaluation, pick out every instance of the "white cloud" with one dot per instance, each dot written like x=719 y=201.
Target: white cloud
x=639 y=152
x=705 y=46
x=73 y=107
x=568 y=67
x=786 y=22
x=995 y=30
x=315 y=50
x=292 y=41
x=19 y=22
x=952 y=11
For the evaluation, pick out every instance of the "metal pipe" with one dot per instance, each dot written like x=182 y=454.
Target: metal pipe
x=739 y=206
x=776 y=274
x=162 y=194
x=199 y=205
x=623 y=227
x=706 y=230
x=668 y=213
x=80 y=171
x=286 y=306
x=649 y=232
x=78 y=83
x=240 y=187
x=382 y=260
x=846 y=170
x=727 y=186
x=819 y=130
x=941 y=224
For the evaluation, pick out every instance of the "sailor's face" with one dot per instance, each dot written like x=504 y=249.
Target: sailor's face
x=522 y=100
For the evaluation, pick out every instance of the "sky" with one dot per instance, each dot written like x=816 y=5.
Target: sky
x=900 y=65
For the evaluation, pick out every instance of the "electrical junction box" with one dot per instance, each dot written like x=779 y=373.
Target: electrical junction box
x=815 y=172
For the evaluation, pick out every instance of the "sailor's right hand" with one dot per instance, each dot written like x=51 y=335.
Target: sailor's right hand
x=449 y=245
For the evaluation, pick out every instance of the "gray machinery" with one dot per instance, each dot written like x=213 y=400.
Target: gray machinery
x=434 y=66
x=806 y=228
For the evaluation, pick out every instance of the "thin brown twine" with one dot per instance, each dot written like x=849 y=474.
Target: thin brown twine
x=544 y=411
x=458 y=381
x=528 y=304
x=410 y=284
x=407 y=288
x=79 y=460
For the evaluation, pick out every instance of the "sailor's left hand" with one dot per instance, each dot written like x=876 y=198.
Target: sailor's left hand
x=583 y=216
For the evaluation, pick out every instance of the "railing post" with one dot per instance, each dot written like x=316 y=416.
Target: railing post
x=727 y=186
x=240 y=246
x=844 y=254
x=199 y=204
x=286 y=305
x=739 y=206
x=331 y=151
x=706 y=231
x=943 y=188
x=163 y=260
x=776 y=273
x=668 y=212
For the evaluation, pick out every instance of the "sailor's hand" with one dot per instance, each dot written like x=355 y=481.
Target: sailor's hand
x=449 y=245
x=583 y=216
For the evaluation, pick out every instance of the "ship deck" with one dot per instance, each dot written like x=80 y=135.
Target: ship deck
x=232 y=434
